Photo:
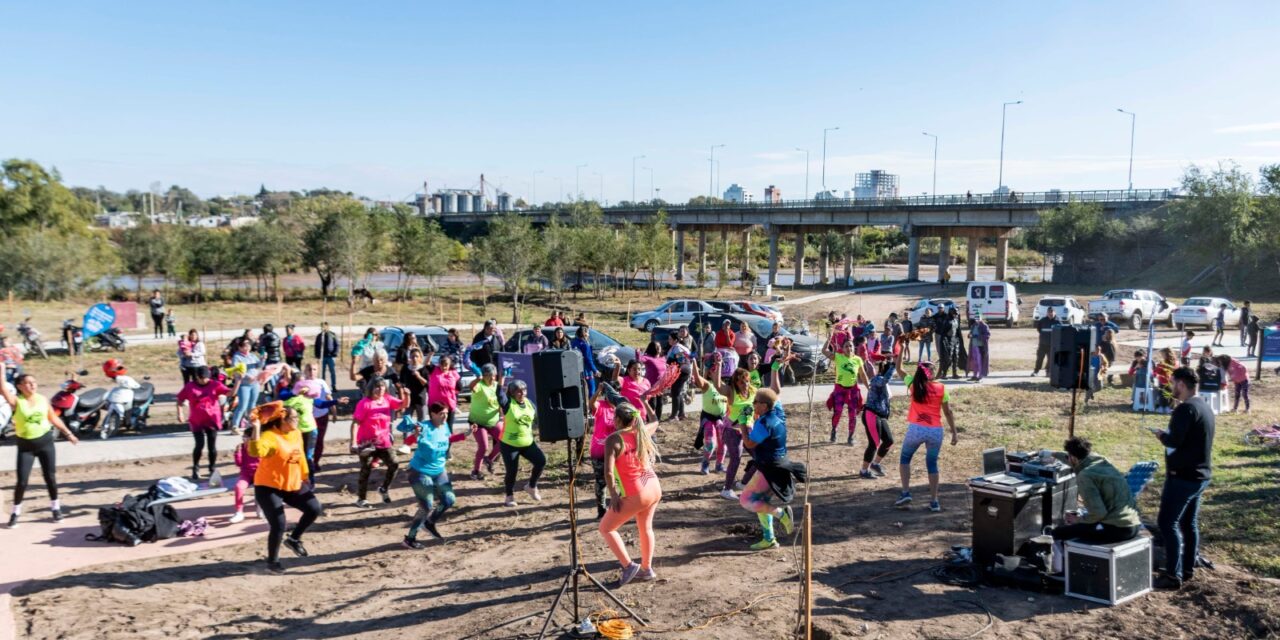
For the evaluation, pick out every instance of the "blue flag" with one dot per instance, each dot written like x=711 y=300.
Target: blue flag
x=97 y=319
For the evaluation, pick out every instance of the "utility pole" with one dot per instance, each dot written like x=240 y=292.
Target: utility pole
x=824 y=155
x=1003 y=116
x=1133 y=127
x=935 y=165
x=711 y=174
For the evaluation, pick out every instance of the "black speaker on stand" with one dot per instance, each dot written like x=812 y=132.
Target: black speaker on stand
x=560 y=402
x=1068 y=346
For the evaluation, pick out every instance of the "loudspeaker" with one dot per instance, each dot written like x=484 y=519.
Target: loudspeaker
x=1067 y=345
x=558 y=389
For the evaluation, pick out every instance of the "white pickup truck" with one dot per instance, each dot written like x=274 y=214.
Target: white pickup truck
x=1133 y=306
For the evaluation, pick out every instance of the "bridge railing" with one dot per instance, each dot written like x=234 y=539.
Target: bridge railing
x=960 y=200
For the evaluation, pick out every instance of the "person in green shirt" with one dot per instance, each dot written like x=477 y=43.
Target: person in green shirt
x=1110 y=514
x=517 y=441
x=33 y=421
x=850 y=371
x=486 y=418
x=714 y=407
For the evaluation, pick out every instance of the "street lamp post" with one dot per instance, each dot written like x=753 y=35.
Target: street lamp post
x=711 y=174
x=824 y=155
x=1003 y=110
x=935 y=165
x=807 y=195
x=633 y=176
x=577 y=180
x=1133 y=127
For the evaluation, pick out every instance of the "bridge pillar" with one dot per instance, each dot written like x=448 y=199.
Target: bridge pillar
x=799 y=259
x=773 y=256
x=848 y=265
x=702 y=256
x=679 y=255
x=913 y=259
x=944 y=258
x=1002 y=256
x=971 y=262
x=824 y=263
x=746 y=252
x=724 y=261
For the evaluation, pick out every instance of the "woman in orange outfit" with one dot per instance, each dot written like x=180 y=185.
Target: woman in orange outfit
x=634 y=490
x=282 y=478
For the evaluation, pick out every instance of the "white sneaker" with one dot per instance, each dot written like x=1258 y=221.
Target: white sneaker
x=511 y=501
x=533 y=493
x=728 y=494
x=238 y=517
x=737 y=486
x=403 y=450
x=261 y=515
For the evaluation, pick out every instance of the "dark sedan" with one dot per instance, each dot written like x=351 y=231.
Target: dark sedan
x=600 y=343
x=810 y=362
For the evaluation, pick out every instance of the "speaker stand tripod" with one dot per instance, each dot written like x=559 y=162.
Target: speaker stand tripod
x=578 y=569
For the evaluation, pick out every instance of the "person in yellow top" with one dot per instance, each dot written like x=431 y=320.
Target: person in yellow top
x=33 y=422
x=517 y=441
x=282 y=478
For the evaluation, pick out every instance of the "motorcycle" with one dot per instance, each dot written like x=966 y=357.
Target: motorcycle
x=109 y=340
x=81 y=413
x=31 y=339
x=125 y=414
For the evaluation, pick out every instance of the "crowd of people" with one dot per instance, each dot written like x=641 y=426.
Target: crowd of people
x=279 y=404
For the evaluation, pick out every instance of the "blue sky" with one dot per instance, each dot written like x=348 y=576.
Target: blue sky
x=378 y=97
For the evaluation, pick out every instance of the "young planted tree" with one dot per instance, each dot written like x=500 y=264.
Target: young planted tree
x=1218 y=220
x=512 y=251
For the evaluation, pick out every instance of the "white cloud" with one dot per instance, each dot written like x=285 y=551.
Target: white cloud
x=1250 y=128
x=1264 y=143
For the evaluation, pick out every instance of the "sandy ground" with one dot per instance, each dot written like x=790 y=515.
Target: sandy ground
x=498 y=568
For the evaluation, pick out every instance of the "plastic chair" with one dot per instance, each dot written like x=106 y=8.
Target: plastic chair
x=1140 y=475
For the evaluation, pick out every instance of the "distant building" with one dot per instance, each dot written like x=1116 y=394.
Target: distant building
x=876 y=185
x=735 y=194
x=117 y=220
x=209 y=222
x=772 y=195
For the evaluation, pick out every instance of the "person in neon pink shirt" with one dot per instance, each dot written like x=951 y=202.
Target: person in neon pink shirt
x=1239 y=375
x=442 y=387
x=205 y=415
x=371 y=438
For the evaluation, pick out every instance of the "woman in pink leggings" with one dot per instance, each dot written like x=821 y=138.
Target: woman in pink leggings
x=634 y=491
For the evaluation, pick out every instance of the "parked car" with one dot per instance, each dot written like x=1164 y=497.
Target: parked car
x=757 y=309
x=393 y=337
x=1132 y=306
x=726 y=306
x=996 y=301
x=810 y=363
x=670 y=312
x=937 y=305
x=1201 y=312
x=601 y=343
x=1068 y=310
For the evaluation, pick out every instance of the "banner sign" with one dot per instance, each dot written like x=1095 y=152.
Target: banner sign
x=97 y=319
x=518 y=366
x=1271 y=344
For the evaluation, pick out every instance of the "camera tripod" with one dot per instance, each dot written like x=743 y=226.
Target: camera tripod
x=578 y=569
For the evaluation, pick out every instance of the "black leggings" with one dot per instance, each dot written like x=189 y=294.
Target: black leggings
x=366 y=467
x=272 y=502
x=655 y=405
x=597 y=470
x=159 y=322
x=28 y=452
x=677 y=395
x=202 y=436
x=885 y=435
x=188 y=374
x=511 y=461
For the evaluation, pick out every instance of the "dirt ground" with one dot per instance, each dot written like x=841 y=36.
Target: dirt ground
x=498 y=568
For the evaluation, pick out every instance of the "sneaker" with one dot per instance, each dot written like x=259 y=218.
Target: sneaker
x=865 y=474
x=706 y=466
x=476 y=475
x=628 y=574
x=934 y=506
x=363 y=504
x=13 y=521
x=646 y=575
x=767 y=543
x=737 y=486
x=533 y=493
x=410 y=543
x=57 y=515
x=488 y=466
x=727 y=494
x=850 y=440
x=315 y=467
x=878 y=470
x=295 y=545
x=787 y=518
x=238 y=517
x=903 y=500
x=404 y=450
x=195 y=475
x=276 y=568
x=719 y=468
x=511 y=501
x=1167 y=583
x=430 y=526
x=833 y=436
x=386 y=495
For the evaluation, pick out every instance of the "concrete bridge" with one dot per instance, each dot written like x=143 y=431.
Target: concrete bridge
x=945 y=217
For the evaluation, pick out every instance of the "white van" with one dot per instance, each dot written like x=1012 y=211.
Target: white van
x=996 y=301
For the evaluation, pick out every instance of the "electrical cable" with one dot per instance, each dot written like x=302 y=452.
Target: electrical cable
x=991 y=621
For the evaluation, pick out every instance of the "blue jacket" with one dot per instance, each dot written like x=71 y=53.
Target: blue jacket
x=770 y=436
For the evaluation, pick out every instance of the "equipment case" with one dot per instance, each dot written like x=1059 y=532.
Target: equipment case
x=1108 y=573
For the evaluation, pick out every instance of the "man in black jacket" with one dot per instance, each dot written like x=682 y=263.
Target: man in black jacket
x=326 y=350
x=269 y=345
x=1045 y=327
x=485 y=345
x=1188 y=468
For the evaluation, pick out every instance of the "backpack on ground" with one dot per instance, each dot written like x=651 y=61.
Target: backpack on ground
x=135 y=520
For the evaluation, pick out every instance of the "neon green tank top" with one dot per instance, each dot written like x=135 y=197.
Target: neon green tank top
x=742 y=409
x=518 y=431
x=31 y=418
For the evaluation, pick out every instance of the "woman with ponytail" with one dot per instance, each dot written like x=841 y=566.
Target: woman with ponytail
x=282 y=478
x=634 y=491
x=929 y=403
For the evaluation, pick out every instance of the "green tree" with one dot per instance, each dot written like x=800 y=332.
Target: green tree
x=337 y=238
x=30 y=196
x=512 y=251
x=1218 y=220
x=1267 y=230
x=657 y=247
x=144 y=250
x=557 y=243
x=36 y=263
